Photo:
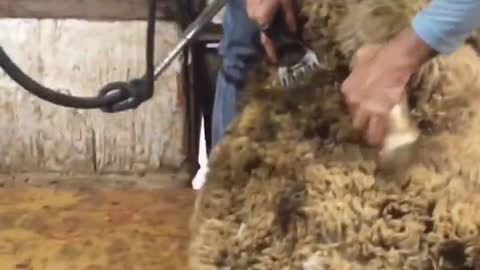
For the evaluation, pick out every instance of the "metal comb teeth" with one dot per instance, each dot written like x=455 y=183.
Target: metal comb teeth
x=290 y=75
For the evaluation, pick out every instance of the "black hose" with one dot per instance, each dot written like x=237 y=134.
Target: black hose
x=50 y=95
x=150 y=50
x=113 y=97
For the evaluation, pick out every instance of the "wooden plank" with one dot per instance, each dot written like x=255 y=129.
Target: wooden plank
x=66 y=228
x=84 y=9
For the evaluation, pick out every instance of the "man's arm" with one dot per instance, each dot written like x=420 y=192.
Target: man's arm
x=445 y=24
x=262 y=12
x=376 y=85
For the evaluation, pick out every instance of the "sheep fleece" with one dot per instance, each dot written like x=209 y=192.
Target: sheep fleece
x=293 y=186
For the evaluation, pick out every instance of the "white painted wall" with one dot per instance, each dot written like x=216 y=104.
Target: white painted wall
x=83 y=56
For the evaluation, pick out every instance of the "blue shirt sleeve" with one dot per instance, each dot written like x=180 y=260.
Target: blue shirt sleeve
x=445 y=24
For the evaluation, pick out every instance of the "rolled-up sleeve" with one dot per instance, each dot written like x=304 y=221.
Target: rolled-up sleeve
x=445 y=24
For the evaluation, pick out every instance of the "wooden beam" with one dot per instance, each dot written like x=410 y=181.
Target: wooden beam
x=84 y=9
x=211 y=33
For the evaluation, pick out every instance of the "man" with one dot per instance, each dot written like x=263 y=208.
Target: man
x=373 y=87
x=239 y=49
x=377 y=84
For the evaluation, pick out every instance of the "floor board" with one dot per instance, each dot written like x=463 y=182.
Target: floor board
x=90 y=229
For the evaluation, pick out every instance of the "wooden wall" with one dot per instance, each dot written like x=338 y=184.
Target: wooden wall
x=83 y=56
x=85 y=9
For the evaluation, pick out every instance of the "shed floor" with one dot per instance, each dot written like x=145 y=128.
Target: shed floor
x=93 y=229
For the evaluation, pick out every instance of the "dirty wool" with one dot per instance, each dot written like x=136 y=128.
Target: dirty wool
x=293 y=186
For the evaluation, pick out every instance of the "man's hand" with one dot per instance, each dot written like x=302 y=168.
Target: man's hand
x=371 y=91
x=263 y=11
x=378 y=79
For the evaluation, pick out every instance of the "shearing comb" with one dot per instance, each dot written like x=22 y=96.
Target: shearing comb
x=295 y=59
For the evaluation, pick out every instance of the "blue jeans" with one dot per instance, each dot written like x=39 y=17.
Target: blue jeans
x=239 y=49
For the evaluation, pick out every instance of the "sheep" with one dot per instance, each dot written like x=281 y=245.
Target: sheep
x=293 y=186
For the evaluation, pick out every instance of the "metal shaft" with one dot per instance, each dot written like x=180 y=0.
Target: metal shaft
x=190 y=33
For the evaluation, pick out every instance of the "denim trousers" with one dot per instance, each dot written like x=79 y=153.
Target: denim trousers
x=239 y=49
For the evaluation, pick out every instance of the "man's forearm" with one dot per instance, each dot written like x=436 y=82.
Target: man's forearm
x=409 y=50
x=445 y=24
x=438 y=29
